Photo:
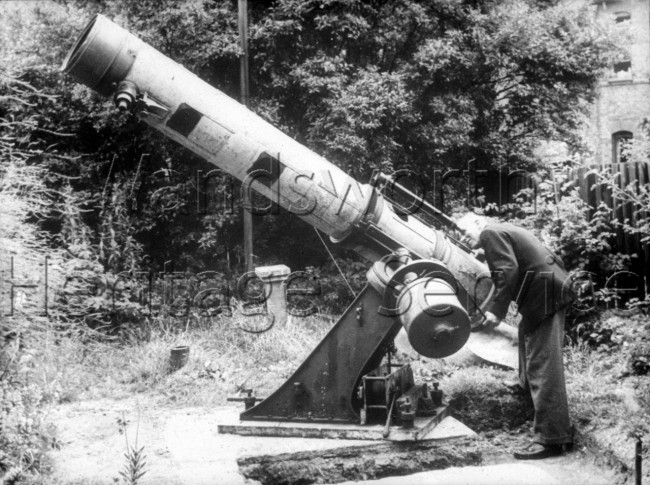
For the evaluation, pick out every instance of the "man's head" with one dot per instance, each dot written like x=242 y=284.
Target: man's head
x=472 y=224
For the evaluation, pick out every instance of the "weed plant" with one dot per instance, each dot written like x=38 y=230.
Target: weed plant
x=136 y=460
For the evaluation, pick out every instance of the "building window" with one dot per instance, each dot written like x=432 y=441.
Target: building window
x=622 y=17
x=619 y=141
x=622 y=66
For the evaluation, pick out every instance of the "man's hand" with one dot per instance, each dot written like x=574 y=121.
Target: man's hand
x=479 y=254
x=490 y=322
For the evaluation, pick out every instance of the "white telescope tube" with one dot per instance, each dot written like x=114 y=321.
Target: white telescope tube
x=171 y=99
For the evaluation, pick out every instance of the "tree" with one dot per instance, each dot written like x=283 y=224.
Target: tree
x=428 y=85
x=368 y=84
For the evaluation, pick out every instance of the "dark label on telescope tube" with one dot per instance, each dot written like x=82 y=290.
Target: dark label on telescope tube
x=184 y=120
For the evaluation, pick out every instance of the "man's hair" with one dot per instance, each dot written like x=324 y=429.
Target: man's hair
x=471 y=219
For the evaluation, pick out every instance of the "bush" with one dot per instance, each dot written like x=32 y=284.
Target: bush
x=25 y=438
x=634 y=196
x=337 y=291
x=583 y=237
x=639 y=360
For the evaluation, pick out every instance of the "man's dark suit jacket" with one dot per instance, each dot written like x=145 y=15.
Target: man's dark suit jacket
x=524 y=271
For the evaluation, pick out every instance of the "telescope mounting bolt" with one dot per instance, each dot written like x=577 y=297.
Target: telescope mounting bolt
x=436 y=395
x=125 y=95
x=407 y=414
x=249 y=399
x=410 y=277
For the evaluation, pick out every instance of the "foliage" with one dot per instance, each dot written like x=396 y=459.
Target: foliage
x=136 y=460
x=583 y=237
x=586 y=240
x=405 y=83
x=339 y=285
x=94 y=291
x=25 y=438
x=639 y=427
x=134 y=469
x=625 y=338
x=640 y=358
x=594 y=333
x=634 y=196
x=124 y=189
x=602 y=383
x=425 y=84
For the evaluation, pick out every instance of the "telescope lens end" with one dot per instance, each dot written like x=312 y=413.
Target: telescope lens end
x=100 y=58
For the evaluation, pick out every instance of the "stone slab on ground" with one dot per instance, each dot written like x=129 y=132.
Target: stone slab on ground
x=438 y=427
x=451 y=443
x=360 y=462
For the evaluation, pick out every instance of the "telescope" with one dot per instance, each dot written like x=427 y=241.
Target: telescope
x=420 y=278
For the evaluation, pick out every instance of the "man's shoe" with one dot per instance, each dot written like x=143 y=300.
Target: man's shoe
x=514 y=387
x=537 y=451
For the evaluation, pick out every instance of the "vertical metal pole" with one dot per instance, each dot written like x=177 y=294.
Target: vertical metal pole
x=243 y=42
x=638 y=457
x=11 y=294
x=47 y=260
x=242 y=8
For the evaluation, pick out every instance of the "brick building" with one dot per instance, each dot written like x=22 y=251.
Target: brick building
x=624 y=94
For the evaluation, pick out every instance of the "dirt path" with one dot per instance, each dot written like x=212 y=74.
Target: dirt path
x=183 y=447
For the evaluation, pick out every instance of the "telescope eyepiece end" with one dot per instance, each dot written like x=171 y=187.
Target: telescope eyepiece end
x=125 y=96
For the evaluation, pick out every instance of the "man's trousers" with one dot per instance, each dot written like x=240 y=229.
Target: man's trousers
x=541 y=371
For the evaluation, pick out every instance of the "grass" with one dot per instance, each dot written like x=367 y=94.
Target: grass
x=593 y=385
x=222 y=358
x=609 y=406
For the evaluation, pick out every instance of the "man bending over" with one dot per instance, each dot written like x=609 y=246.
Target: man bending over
x=523 y=270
